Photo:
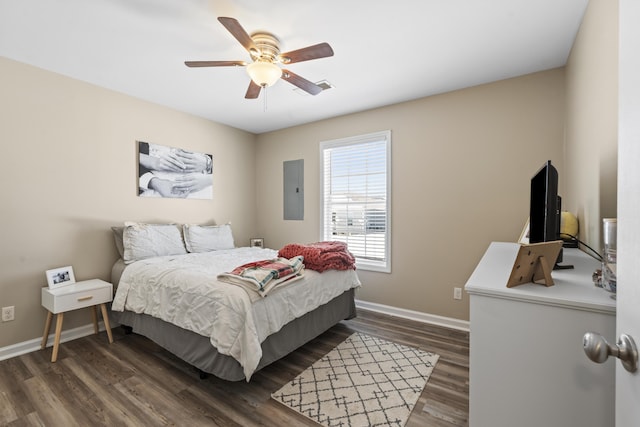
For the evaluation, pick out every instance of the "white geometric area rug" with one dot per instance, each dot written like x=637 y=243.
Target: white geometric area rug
x=364 y=381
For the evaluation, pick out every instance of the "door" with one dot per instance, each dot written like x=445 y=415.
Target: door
x=628 y=305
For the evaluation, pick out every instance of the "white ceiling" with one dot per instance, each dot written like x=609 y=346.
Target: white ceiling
x=385 y=51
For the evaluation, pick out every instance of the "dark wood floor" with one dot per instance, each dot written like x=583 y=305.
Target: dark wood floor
x=135 y=382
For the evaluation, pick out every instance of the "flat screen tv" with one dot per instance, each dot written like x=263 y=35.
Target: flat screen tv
x=544 y=208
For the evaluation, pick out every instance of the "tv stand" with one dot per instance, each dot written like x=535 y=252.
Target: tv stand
x=526 y=363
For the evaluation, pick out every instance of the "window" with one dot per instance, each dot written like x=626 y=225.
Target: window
x=356 y=195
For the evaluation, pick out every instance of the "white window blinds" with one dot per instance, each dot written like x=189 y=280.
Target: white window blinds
x=355 y=179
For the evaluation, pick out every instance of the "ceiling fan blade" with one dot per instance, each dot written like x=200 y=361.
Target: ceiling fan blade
x=236 y=30
x=321 y=50
x=253 y=91
x=214 y=63
x=301 y=82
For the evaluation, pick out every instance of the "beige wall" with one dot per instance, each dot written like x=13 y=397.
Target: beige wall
x=592 y=121
x=69 y=174
x=461 y=168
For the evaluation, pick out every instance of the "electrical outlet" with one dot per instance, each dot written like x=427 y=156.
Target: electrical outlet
x=8 y=313
x=457 y=293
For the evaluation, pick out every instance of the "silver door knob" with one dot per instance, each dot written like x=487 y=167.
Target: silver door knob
x=598 y=349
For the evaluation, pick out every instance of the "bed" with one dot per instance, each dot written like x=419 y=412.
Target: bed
x=169 y=288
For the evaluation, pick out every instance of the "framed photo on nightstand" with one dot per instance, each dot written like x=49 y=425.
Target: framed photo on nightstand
x=62 y=276
x=256 y=242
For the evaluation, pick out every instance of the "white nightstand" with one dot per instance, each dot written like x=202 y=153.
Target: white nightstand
x=88 y=293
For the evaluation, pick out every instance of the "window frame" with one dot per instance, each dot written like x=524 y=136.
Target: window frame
x=383 y=266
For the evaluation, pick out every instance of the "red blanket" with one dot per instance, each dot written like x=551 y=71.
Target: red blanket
x=321 y=256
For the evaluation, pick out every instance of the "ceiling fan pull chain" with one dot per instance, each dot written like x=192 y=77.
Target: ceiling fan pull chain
x=264 y=108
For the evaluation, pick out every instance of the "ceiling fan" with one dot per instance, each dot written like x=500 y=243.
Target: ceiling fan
x=265 y=55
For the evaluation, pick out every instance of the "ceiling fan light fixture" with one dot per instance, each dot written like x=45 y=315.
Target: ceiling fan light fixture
x=264 y=49
x=264 y=73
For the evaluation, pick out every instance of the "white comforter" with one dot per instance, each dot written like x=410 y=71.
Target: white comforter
x=183 y=290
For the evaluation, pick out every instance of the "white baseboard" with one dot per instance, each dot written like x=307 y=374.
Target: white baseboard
x=447 y=322
x=82 y=331
x=34 y=345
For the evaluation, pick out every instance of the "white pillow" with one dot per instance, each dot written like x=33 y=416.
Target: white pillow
x=205 y=238
x=143 y=241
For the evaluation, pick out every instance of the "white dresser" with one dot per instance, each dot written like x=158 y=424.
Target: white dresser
x=527 y=366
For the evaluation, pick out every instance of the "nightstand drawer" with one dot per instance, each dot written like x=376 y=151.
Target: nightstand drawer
x=79 y=295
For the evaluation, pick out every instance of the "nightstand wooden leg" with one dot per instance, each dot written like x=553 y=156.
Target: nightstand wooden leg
x=107 y=326
x=94 y=316
x=47 y=328
x=56 y=341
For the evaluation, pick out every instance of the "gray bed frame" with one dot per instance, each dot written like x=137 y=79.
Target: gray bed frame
x=198 y=351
